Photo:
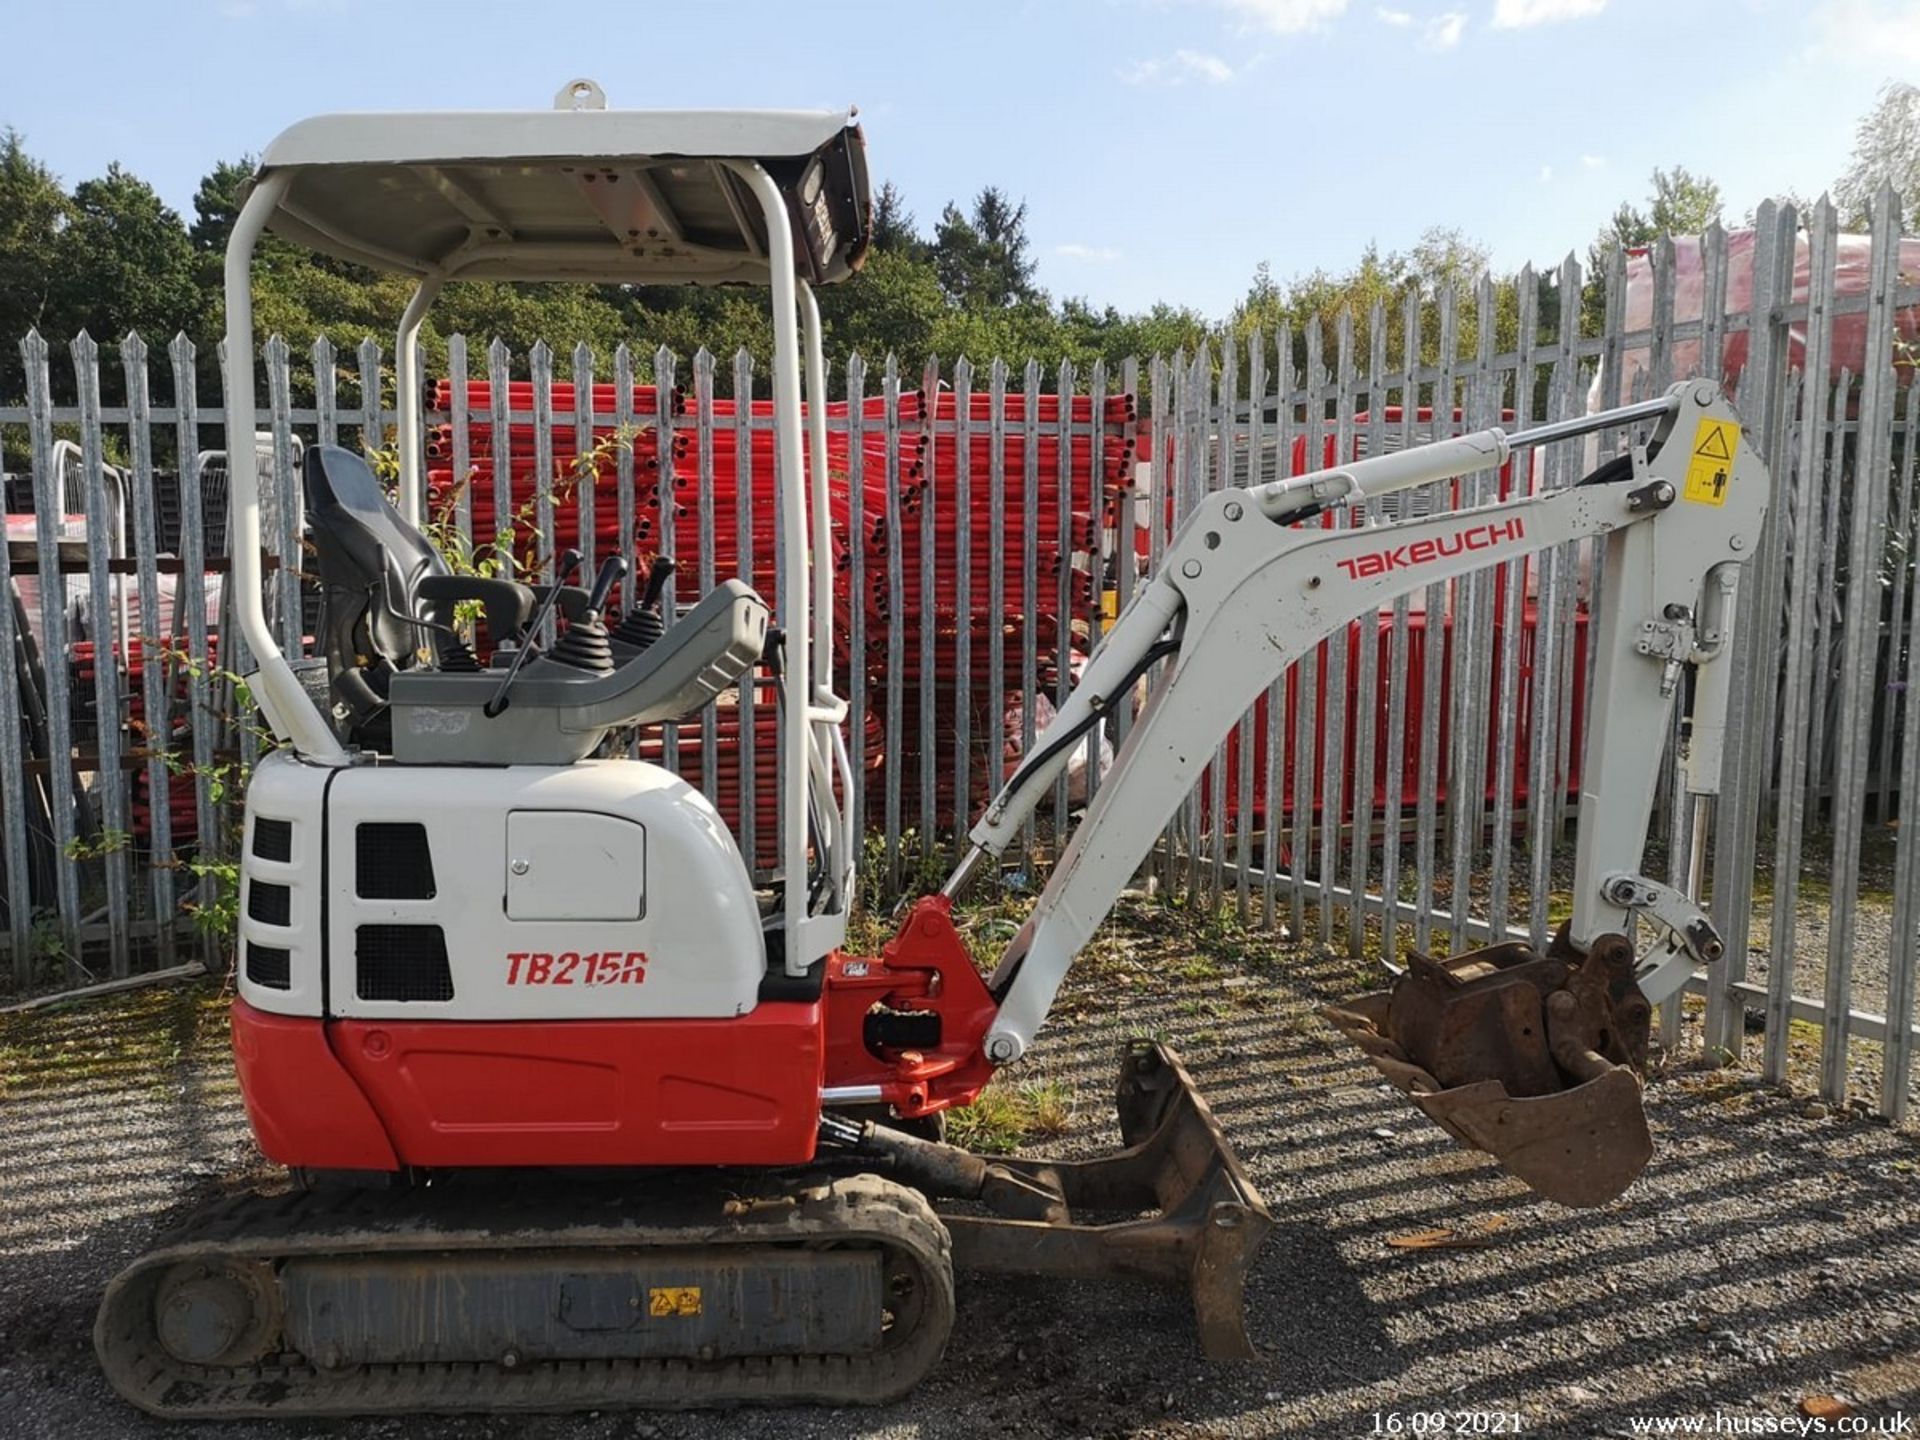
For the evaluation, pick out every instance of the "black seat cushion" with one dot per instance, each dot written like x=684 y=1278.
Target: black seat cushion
x=371 y=561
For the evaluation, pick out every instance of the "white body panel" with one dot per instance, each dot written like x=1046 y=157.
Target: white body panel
x=285 y=788
x=704 y=953
x=596 y=840
x=562 y=865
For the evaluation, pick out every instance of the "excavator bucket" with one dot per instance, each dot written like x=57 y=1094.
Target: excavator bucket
x=1534 y=1059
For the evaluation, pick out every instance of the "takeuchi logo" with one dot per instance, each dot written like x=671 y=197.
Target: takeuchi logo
x=1423 y=552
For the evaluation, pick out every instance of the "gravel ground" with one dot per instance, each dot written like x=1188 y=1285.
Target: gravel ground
x=1812 y=935
x=1870 y=952
x=1766 y=1256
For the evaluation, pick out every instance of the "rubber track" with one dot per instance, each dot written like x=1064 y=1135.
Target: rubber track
x=862 y=1210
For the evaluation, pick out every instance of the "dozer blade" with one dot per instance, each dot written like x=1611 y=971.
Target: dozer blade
x=1173 y=1206
x=1534 y=1059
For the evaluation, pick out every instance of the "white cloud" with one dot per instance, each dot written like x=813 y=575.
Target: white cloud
x=1074 y=250
x=1439 y=32
x=1519 y=14
x=1546 y=174
x=1593 y=162
x=1883 y=33
x=1287 y=17
x=1178 y=68
x=1443 y=31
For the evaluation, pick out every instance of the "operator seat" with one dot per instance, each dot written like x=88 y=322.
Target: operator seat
x=387 y=597
x=388 y=605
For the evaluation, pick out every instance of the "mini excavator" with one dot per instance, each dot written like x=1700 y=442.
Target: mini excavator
x=582 y=1118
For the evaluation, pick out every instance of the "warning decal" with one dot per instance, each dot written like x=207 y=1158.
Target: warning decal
x=677 y=1301
x=1710 y=467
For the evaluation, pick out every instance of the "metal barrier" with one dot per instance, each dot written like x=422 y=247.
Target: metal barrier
x=1410 y=786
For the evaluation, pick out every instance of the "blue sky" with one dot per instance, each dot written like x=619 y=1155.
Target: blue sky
x=1164 y=147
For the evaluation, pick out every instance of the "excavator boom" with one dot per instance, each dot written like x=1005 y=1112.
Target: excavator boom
x=1517 y=1054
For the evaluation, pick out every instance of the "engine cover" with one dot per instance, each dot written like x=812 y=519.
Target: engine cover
x=602 y=890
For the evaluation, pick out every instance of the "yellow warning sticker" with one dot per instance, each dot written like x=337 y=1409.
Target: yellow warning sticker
x=673 y=1301
x=1710 y=467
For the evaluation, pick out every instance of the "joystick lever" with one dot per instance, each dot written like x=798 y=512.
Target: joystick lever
x=612 y=570
x=563 y=573
x=645 y=623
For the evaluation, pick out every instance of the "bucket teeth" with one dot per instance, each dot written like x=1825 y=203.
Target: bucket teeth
x=1532 y=1058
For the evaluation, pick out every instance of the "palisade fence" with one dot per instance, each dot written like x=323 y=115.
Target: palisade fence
x=1413 y=784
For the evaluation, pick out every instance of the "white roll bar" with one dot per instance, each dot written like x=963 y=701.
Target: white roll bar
x=406 y=360
x=282 y=699
x=790 y=475
x=817 y=479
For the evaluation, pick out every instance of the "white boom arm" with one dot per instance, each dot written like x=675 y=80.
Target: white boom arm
x=1241 y=596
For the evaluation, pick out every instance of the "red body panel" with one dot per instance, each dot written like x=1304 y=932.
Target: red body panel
x=305 y=1109
x=452 y=1093
x=925 y=968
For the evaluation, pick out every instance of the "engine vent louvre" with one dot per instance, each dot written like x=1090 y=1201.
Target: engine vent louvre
x=392 y=861
x=268 y=903
x=401 y=962
x=270 y=965
x=273 y=839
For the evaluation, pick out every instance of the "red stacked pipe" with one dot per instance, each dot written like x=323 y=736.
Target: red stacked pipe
x=1051 y=520
x=1091 y=472
x=1412 y=785
x=1416 y=698
x=182 y=811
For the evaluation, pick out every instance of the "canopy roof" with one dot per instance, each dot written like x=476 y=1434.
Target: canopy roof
x=626 y=196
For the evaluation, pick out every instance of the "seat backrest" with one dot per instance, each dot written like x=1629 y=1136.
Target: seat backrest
x=371 y=563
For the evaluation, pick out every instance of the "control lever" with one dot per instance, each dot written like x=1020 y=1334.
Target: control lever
x=584 y=646
x=612 y=570
x=563 y=574
x=644 y=624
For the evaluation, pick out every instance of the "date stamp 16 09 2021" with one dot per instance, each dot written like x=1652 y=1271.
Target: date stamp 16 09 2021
x=1446 y=1422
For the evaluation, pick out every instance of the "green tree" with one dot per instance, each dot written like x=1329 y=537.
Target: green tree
x=125 y=263
x=1010 y=332
x=891 y=306
x=1439 y=261
x=724 y=321
x=1683 y=203
x=34 y=210
x=1886 y=150
x=894 y=229
x=1442 y=257
x=1263 y=308
x=216 y=204
x=1087 y=334
x=982 y=258
x=1678 y=203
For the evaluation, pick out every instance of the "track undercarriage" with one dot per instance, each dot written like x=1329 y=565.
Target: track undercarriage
x=683 y=1290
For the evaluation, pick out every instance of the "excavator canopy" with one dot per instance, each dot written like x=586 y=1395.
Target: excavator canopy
x=587 y=193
